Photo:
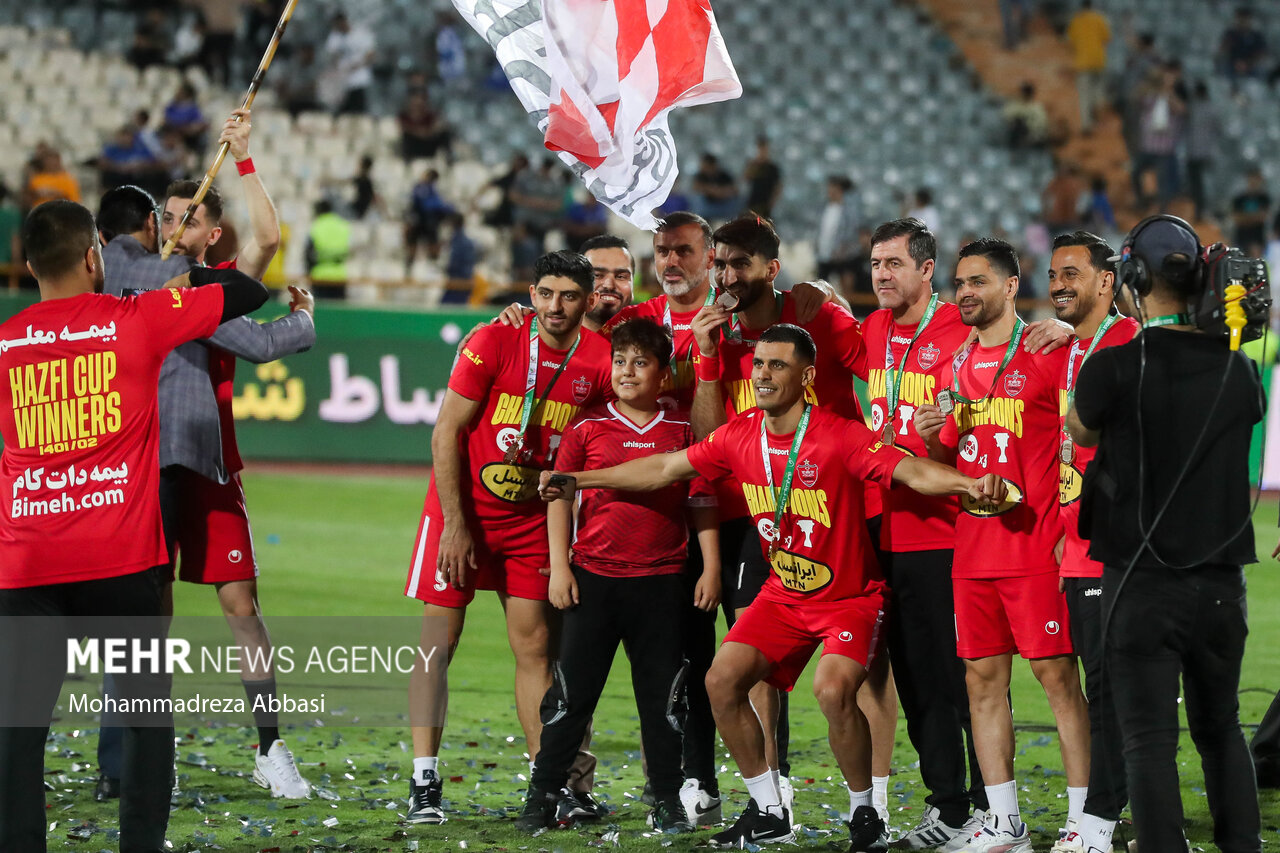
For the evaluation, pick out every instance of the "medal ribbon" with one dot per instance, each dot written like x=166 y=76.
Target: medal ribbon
x=734 y=332
x=1018 y=328
x=892 y=377
x=530 y=384
x=666 y=321
x=1107 y=323
x=1167 y=320
x=782 y=495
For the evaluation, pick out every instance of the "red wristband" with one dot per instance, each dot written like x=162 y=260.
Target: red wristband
x=707 y=368
x=245 y=166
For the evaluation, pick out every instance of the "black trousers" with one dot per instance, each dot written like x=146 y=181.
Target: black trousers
x=36 y=624
x=930 y=679
x=1168 y=624
x=1108 y=792
x=1265 y=746
x=644 y=615
x=698 y=630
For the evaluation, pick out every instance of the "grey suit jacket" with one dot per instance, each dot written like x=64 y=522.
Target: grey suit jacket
x=190 y=432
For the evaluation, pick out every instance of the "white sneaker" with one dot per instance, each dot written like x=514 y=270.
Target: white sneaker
x=277 y=771
x=929 y=834
x=701 y=808
x=971 y=827
x=1069 y=841
x=988 y=840
x=788 y=794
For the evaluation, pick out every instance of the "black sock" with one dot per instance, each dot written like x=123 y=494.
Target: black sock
x=261 y=695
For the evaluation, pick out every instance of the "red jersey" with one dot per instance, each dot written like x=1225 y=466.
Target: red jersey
x=677 y=392
x=1075 y=553
x=493 y=370
x=630 y=534
x=911 y=521
x=1014 y=433
x=222 y=373
x=836 y=334
x=825 y=552
x=80 y=424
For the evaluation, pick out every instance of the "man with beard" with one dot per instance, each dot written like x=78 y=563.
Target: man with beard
x=1082 y=286
x=999 y=412
x=613 y=269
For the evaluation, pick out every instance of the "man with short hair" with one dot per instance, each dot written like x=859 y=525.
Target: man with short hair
x=1082 y=288
x=614 y=270
x=998 y=411
x=826 y=588
x=72 y=573
x=512 y=392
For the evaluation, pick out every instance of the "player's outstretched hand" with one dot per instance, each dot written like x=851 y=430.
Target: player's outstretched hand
x=555 y=486
x=989 y=490
x=1046 y=335
x=809 y=297
x=562 y=591
x=704 y=325
x=235 y=132
x=457 y=555
x=706 y=594
x=302 y=300
x=928 y=421
x=513 y=314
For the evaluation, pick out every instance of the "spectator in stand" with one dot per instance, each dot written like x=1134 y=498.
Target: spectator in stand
x=299 y=84
x=583 y=220
x=1061 y=200
x=10 y=237
x=1243 y=47
x=764 y=180
x=460 y=271
x=188 y=43
x=1203 y=127
x=183 y=114
x=1141 y=64
x=1161 y=130
x=122 y=160
x=221 y=20
x=260 y=22
x=150 y=43
x=427 y=212
x=328 y=246
x=1025 y=119
x=349 y=54
x=537 y=200
x=838 y=233
x=715 y=193
x=422 y=132
x=365 y=193
x=502 y=216
x=676 y=200
x=1014 y=16
x=451 y=56
x=1089 y=33
x=1099 y=215
x=925 y=210
x=1250 y=211
x=49 y=179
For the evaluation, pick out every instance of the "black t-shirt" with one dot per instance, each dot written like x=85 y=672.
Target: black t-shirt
x=1249 y=203
x=763 y=179
x=1184 y=373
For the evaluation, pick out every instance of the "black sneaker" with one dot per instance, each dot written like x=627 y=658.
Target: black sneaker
x=106 y=789
x=669 y=816
x=756 y=827
x=591 y=804
x=426 y=801
x=539 y=810
x=576 y=807
x=867 y=833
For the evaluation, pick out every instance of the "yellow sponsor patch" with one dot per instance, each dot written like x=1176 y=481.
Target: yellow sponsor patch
x=799 y=574
x=1070 y=482
x=512 y=483
x=1011 y=500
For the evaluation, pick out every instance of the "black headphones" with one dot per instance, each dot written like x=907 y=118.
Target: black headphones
x=1131 y=270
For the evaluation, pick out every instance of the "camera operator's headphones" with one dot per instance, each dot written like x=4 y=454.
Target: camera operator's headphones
x=1132 y=271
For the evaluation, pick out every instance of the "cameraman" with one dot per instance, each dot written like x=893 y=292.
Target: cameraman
x=1166 y=506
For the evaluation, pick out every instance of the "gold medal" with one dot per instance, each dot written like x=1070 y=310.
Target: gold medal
x=1067 y=452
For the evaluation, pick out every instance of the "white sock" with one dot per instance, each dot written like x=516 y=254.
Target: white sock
x=1003 y=814
x=1075 y=803
x=422 y=765
x=1095 y=832
x=764 y=790
x=880 y=789
x=859 y=798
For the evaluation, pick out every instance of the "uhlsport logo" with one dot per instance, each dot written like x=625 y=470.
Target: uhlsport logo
x=235 y=556
x=1052 y=627
x=846 y=637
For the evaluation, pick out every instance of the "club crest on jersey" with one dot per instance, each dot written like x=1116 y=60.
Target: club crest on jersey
x=927 y=356
x=808 y=473
x=581 y=388
x=1014 y=383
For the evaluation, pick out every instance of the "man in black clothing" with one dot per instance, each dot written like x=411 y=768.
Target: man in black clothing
x=1167 y=512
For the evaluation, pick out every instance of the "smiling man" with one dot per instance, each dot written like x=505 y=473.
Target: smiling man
x=613 y=269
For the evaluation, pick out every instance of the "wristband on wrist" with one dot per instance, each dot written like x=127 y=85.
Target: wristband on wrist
x=245 y=167
x=707 y=368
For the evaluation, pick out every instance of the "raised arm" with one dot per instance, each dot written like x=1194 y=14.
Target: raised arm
x=708 y=398
x=264 y=226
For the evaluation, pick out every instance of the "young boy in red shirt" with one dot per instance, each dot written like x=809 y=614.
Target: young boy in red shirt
x=619 y=580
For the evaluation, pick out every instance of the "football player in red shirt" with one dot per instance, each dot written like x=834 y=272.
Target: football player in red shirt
x=825 y=587
x=512 y=393
x=614 y=269
x=624 y=583
x=1082 y=286
x=1002 y=415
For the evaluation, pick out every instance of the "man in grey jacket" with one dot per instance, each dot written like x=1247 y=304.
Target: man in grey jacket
x=201 y=495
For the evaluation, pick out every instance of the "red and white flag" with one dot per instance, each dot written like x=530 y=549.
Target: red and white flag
x=600 y=76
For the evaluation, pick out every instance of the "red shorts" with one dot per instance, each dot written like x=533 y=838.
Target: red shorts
x=215 y=543
x=995 y=616
x=787 y=634
x=508 y=560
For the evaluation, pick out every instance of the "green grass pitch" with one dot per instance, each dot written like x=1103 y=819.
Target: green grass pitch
x=334 y=550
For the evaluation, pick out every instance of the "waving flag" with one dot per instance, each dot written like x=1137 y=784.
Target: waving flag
x=599 y=78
